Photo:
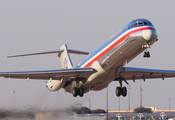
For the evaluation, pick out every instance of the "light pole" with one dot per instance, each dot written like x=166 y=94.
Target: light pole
x=89 y=99
x=129 y=87
x=169 y=104
x=107 y=103
x=141 y=93
x=118 y=103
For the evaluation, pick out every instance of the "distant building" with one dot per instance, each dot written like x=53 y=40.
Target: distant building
x=121 y=111
x=154 y=110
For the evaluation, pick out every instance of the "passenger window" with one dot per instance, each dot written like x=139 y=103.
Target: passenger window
x=126 y=28
x=145 y=23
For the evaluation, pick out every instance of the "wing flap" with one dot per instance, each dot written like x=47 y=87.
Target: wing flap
x=47 y=74
x=130 y=73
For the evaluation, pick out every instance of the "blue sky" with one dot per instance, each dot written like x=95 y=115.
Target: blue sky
x=39 y=25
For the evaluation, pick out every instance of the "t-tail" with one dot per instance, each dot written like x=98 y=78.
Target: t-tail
x=65 y=58
x=63 y=53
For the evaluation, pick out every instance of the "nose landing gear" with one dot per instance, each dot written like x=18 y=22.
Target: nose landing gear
x=146 y=53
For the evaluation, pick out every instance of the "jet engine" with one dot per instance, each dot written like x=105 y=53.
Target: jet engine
x=54 y=85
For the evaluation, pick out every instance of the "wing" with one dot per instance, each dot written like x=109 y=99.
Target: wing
x=130 y=73
x=47 y=74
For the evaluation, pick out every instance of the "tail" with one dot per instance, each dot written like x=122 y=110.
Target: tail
x=63 y=53
x=65 y=58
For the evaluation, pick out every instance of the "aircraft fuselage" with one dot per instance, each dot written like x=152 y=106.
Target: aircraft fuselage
x=116 y=52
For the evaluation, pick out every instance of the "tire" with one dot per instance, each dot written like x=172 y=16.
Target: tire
x=75 y=91
x=148 y=55
x=118 y=91
x=124 y=91
x=145 y=54
x=81 y=91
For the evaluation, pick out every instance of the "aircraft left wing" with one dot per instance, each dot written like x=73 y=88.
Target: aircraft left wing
x=68 y=74
x=131 y=73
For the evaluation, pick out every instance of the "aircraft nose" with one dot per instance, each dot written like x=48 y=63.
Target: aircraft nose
x=149 y=34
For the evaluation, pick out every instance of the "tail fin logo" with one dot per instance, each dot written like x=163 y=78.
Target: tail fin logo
x=65 y=58
x=65 y=63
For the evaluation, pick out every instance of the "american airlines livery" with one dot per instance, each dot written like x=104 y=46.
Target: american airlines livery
x=103 y=65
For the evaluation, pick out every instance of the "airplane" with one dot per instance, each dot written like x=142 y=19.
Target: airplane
x=103 y=65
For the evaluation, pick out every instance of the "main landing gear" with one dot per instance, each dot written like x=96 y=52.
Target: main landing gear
x=78 y=91
x=121 y=90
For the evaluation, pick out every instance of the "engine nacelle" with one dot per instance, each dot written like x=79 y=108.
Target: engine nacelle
x=54 y=85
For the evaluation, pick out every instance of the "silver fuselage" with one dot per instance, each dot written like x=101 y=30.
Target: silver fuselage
x=109 y=58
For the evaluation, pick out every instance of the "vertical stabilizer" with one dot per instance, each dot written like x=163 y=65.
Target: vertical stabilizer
x=65 y=58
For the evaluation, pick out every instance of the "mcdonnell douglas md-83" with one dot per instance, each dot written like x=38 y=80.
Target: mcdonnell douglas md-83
x=103 y=65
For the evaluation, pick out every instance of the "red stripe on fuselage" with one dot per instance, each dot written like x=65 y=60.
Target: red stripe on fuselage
x=114 y=44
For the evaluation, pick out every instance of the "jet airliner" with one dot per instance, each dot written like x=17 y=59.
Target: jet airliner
x=103 y=65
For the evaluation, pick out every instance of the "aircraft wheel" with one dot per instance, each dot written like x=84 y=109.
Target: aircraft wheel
x=145 y=54
x=81 y=91
x=118 y=91
x=75 y=91
x=148 y=54
x=124 y=91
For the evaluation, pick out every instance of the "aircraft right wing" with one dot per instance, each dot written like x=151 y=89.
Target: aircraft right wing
x=131 y=73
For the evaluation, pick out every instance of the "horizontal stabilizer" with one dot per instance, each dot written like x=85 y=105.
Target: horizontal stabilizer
x=77 y=52
x=51 y=51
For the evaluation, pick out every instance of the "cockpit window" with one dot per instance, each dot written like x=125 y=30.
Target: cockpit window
x=145 y=23
x=140 y=23
x=149 y=23
x=134 y=25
